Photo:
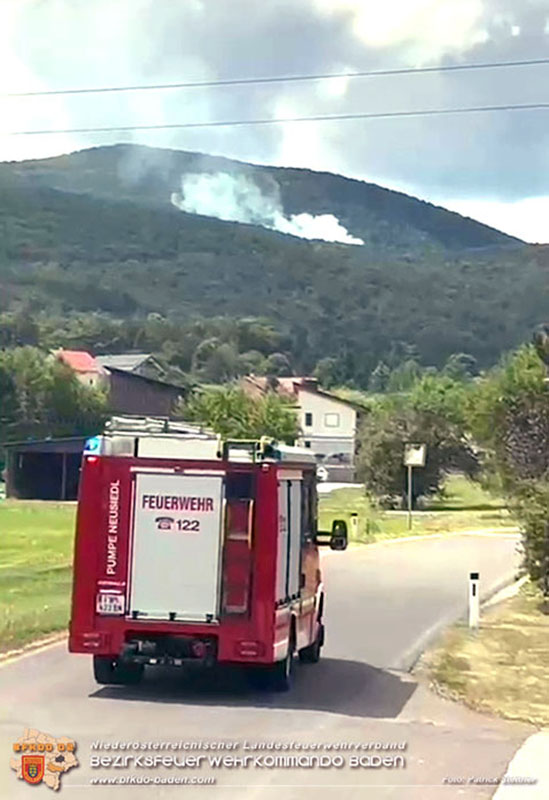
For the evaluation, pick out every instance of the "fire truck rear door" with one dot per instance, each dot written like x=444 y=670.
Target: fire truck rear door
x=175 y=566
x=289 y=535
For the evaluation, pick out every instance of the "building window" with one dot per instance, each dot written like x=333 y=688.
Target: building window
x=331 y=420
x=307 y=444
x=308 y=419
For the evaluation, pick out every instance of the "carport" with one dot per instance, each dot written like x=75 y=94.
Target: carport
x=45 y=469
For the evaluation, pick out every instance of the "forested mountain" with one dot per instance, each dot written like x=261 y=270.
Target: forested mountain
x=95 y=233
x=149 y=176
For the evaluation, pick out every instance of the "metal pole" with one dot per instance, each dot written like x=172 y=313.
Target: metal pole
x=409 y=497
x=546 y=565
x=64 y=477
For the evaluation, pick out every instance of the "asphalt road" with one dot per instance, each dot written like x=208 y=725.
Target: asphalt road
x=383 y=603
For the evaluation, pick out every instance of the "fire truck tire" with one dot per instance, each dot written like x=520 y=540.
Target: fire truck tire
x=311 y=654
x=280 y=674
x=108 y=671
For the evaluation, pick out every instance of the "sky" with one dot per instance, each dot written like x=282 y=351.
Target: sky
x=493 y=167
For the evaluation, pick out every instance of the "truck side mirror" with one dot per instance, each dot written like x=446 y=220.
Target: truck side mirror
x=338 y=538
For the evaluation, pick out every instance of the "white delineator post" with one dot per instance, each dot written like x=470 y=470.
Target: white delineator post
x=474 y=600
x=354 y=525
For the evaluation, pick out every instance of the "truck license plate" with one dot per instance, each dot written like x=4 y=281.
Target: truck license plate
x=110 y=603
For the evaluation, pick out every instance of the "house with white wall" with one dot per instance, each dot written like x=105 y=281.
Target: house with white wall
x=328 y=424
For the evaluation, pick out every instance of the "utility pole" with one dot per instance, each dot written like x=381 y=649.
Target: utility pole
x=410 y=468
x=546 y=542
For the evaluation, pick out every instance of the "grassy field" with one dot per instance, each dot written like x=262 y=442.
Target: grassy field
x=464 y=506
x=36 y=542
x=503 y=667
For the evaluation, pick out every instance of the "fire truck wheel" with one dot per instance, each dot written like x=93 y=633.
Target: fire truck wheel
x=108 y=671
x=280 y=674
x=311 y=654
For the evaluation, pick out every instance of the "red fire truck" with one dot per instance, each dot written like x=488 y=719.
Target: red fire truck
x=193 y=549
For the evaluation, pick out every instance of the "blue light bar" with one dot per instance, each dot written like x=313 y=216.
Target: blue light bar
x=93 y=446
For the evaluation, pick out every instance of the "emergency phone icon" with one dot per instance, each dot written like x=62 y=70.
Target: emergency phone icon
x=164 y=523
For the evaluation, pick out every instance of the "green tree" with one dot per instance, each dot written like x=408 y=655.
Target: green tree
x=8 y=402
x=278 y=364
x=256 y=334
x=18 y=329
x=251 y=362
x=72 y=408
x=379 y=378
x=403 y=377
x=460 y=366
x=509 y=417
x=440 y=396
x=233 y=414
x=328 y=372
x=48 y=400
x=29 y=371
x=433 y=413
x=221 y=365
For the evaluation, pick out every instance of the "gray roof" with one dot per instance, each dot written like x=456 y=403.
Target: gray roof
x=125 y=361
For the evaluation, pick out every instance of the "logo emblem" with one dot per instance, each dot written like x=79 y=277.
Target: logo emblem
x=32 y=768
x=40 y=757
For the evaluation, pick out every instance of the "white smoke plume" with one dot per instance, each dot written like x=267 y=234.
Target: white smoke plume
x=238 y=198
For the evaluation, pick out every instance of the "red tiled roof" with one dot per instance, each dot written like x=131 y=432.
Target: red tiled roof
x=290 y=387
x=79 y=360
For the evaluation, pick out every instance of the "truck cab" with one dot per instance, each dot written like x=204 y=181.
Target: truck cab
x=193 y=549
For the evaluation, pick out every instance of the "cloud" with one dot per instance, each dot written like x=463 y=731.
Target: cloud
x=435 y=27
x=527 y=219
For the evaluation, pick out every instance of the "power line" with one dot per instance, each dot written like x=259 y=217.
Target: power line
x=283 y=120
x=281 y=79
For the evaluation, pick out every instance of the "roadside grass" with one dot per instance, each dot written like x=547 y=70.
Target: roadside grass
x=502 y=668
x=36 y=541
x=463 y=506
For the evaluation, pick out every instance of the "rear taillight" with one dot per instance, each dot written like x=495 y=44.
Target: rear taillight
x=93 y=640
x=251 y=649
x=237 y=557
